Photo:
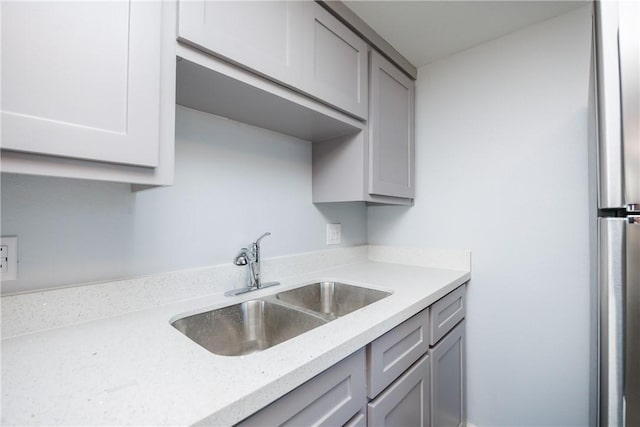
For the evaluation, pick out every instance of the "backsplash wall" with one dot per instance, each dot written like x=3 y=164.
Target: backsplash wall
x=233 y=182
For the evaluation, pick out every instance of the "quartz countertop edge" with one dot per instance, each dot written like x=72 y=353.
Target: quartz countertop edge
x=136 y=369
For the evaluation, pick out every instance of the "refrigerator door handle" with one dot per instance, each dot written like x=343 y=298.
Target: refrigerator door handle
x=632 y=323
x=629 y=48
x=610 y=172
x=617 y=55
x=611 y=249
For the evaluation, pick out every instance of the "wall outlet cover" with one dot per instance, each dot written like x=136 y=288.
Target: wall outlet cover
x=334 y=234
x=8 y=258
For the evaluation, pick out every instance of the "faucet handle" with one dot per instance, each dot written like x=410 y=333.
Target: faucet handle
x=242 y=257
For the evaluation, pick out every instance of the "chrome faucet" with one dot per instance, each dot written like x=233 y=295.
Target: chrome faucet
x=251 y=257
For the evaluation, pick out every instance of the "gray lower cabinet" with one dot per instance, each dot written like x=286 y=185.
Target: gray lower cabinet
x=446 y=313
x=332 y=398
x=448 y=379
x=358 y=420
x=397 y=380
x=406 y=402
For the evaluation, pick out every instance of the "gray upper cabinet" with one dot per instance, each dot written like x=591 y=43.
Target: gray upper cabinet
x=335 y=62
x=377 y=164
x=87 y=90
x=391 y=127
x=263 y=36
x=296 y=43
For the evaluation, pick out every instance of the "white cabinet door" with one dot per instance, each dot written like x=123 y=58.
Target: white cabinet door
x=391 y=130
x=335 y=63
x=406 y=401
x=263 y=36
x=448 y=380
x=82 y=80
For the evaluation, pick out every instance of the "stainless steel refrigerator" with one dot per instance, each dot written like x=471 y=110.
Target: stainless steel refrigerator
x=617 y=59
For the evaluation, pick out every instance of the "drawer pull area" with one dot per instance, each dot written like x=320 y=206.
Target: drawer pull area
x=394 y=352
x=447 y=313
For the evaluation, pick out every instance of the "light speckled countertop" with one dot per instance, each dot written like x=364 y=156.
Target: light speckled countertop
x=136 y=369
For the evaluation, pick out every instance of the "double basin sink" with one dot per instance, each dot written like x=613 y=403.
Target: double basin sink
x=258 y=324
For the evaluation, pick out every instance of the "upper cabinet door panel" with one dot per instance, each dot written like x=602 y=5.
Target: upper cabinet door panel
x=392 y=130
x=335 y=64
x=264 y=36
x=82 y=79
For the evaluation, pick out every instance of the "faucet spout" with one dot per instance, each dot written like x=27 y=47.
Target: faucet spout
x=257 y=242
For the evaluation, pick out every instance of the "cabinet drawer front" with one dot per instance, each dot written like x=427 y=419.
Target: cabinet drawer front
x=446 y=313
x=448 y=380
x=406 y=402
x=330 y=399
x=391 y=354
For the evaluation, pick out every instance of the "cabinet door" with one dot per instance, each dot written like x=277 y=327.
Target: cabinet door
x=406 y=401
x=448 y=380
x=82 y=80
x=335 y=62
x=358 y=420
x=263 y=36
x=391 y=127
x=330 y=399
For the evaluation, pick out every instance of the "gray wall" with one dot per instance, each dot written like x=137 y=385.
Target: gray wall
x=502 y=169
x=232 y=183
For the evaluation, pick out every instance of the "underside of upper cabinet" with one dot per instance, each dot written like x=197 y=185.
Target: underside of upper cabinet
x=208 y=84
x=340 y=172
x=286 y=66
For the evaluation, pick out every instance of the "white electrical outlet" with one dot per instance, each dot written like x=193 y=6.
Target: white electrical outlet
x=8 y=258
x=333 y=234
x=4 y=250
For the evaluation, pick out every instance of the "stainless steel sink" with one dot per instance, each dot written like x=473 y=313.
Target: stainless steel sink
x=331 y=298
x=258 y=324
x=246 y=328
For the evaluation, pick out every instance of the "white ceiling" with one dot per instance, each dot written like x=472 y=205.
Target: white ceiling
x=425 y=31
